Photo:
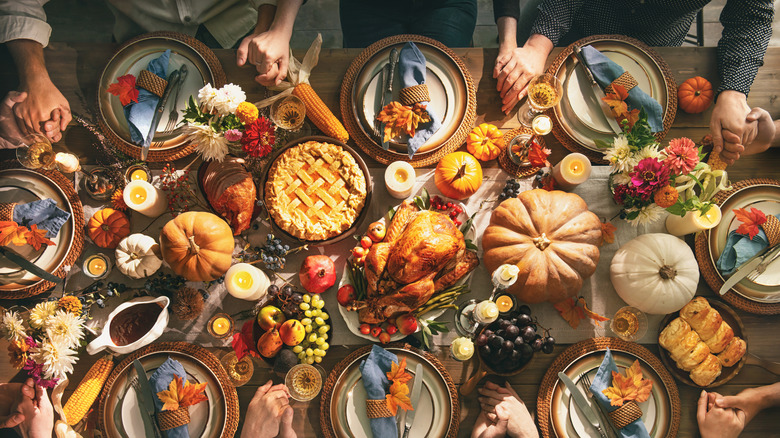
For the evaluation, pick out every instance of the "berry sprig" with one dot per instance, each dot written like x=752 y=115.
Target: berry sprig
x=181 y=196
x=452 y=210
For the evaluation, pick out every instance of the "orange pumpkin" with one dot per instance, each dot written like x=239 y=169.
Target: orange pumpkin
x=695 y=95
x=197 y=245
x=458 y=175
x=485 y=142
x=107 y=227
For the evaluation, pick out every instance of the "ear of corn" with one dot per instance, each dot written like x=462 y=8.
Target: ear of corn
x=319 y=113
x=85 y=394
x=715 y=162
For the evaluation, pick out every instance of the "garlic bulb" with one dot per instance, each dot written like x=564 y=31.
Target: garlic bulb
x=505 y=276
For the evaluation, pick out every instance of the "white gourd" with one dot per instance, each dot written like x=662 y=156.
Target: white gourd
x=656 y=273
x=136 y=256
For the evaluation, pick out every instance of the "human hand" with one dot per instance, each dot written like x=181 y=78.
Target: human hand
x=516 y=66
x=750 y=401
x=496 y=398
x=718 y=422
x=267 y=410
x=38 y=414
x=45 y=107
x=269 y=52
x=11 y=394
x=766 y=131
x=729 y=126
x=487 y=428
x=9 y=130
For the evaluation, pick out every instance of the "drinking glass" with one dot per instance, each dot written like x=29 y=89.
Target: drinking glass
x=629 y=324
x=544 y=92
x=288 y=113
x=239 y=371
x=35 y=152
x=304 y=382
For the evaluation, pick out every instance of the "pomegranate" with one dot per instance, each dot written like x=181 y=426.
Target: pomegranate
x=317 y=274
x=406 y=323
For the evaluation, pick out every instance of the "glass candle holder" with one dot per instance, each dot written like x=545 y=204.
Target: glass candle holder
x=239 y=371
x=98 y=184
x=462 y=349
x=97 y=266
x=518 y=149
x=138 y=172
x=629 y=324
x=220 y=326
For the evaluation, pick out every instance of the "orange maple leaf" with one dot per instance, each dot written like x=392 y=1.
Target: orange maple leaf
x=751 y=220
x=570 y=312
x=591 y=314
x=7 y=228
x=400 y=119
x=629 y=387
x=398 y=397
x=607 y=233
x=537 y=155
x=644 y=387
x=170 y=397
x=124 y=87
x=16 y=236
x=398 y=372
x=37 y=237
x=182 y=395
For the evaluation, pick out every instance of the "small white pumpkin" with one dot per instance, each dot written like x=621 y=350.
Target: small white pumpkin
x=137 y=256
x=656 y=273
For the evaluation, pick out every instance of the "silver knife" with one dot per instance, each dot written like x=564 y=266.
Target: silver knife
x=388 y=97
x=749 y=266
x=582 y=403
x=598 y=92
x=146 y=400
x=173 y=79
x=416 y=390
x=379 y=127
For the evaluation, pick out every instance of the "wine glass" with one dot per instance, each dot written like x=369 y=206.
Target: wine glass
x=288 y=113
x=303 y=382
x=629 y=324
x=35 y=152
x=544 y=92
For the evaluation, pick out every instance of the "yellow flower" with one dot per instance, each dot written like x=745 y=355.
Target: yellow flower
x=40 y=312
x=247 y=112
x=70 y=304
x=17 y=351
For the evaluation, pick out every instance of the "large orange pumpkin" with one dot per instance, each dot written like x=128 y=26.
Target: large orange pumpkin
x=197 y=245
x=458 y=175
x=695 y=95
x=485 y=142
x=107 y=227
x=551 y=237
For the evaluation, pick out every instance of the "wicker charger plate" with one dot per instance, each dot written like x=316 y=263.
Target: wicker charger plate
x=576 y=351
x=77 y=244
x=198 y=353
x=707 y=266
x=174 y=146
x=660 y=65
x=366 y=142
x=329 y=402
x=506 y=162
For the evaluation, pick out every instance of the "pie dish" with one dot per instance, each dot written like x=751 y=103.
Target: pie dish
x=315 y=190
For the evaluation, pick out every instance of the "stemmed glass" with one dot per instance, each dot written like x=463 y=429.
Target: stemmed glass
x=629 y=324
x=35 y=152
x=544 y=92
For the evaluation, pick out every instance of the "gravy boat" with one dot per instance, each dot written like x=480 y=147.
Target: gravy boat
x=104 y=340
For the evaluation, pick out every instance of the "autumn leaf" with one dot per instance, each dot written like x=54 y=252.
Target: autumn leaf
x=193 y=393
x=591 y=314
x=170 y=397
x=398 y=397
x=629 y=387
x=607 y=233
x=401 y=119
x=7 y=228
x=751 y=220
x=644 y=386
x=16 y=236
x=182 y=395
x=398 y=372
x=537 y=155
x=37 y=237
x=570 y=312
x=617 y=106
x=619 y=91
x=124 y=87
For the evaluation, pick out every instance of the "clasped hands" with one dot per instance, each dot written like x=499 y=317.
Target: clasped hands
x=26 y=406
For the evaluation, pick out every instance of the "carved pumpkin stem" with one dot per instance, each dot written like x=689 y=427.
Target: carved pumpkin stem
x=542 y=242
x=667 y=272
x=461 y=172
x=194 y=248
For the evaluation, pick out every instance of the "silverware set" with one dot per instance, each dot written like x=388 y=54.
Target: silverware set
x=753 y=268
x=585 y=381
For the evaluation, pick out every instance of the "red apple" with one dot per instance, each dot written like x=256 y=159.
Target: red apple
x=365 y=328
x=270 y=317
x=366 y=242
x=406 y=323
x=384 y=337
x=376 y=231
x=317 y=274
x=391 y=329
x=376 y=331
x=346 y=295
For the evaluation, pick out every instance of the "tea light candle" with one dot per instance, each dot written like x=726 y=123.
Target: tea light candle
x=220 y=325
x=246 y=282
x=505 y=304
x=572 y=171
x=138 y=172
x=505 y=276
x=145 y=198
x=462 y=348
x=97 y=266
x=399 y=179
x=693 y=221
x=542 y=124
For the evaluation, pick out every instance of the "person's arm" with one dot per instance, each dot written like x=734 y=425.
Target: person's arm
x=752 y=400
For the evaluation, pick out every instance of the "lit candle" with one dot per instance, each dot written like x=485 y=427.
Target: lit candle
x=572 y=171
x=220 y=325
x=505 y=276
x=505 y=303
x=246 y=282
x=486 y=312
x=145 y=198
x=693 y=221
x=542 y=124
x=97 y=266
x=462 y=348
x=138 y=172
x=399 y=179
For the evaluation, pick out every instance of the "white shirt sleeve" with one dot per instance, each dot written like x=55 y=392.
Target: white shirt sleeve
x=257 y=3
x=24 y=19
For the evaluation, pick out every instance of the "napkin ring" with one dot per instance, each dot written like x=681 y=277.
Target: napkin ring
x=168 y=420
x=625 y=80
x=414 y=94
x=152 y=83
x=772 y=229
x=625 y=415
x=7 y=211
x=377 y=409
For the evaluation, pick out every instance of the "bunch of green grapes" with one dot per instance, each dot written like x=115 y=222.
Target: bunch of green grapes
x=315 y=345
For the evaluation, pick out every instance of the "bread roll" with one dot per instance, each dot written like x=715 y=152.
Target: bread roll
x=685 y=345
x=696 y=356
x=673 y=333
x=695 y=312
x=706 y=372
x=733 y=352
x=710 y=324
x=721 y=339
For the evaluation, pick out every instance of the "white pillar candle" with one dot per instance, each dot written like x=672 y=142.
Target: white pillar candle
x=399 y=179
x=145 y=198
x=693 y=221
x=572 y=171
x=246 y=282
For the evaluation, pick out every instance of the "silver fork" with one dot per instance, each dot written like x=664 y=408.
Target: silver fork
x=173 y=115
x=602 y=414
x=770 y=257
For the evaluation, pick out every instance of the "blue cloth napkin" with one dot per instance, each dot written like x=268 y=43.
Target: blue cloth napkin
x=374 y=370
x=411 y=67
x=602 y=381
x=44 y=213
x=605 y=71
x=160 y=380
x=139 y=114
x=739 y=248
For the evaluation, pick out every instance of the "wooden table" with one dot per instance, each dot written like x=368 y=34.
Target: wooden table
x=75 y=69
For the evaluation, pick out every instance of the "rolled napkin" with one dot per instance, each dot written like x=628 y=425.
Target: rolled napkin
x=44 y=213
x=602 y=381
x=739 y=247
x=606 y=71
x=411 y=67
x=160 y=380
x=139 y=114
x=374 y=370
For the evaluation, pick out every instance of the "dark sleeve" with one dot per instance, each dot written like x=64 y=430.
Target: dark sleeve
x=555 y=18
x=747 y=26
x=506 y=8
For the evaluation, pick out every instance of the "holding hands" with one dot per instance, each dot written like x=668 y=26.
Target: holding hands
x=27 y=407
x=516 y=66
x=503 y=414
x=269 y=413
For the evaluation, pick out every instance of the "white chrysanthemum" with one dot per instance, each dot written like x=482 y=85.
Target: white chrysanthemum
x=210 y=145
x=650 y=151
x=647 y=215
x=206 y=97
x=55 y=356
x=619 y=155
x=66 y=326
x=13 y=327
x=228 y=98
x=620 y=179
x=41 y=312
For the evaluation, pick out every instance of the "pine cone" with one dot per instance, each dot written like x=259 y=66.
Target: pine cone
x=187 y=303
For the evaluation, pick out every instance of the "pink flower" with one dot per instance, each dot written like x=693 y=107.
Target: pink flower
x=649 y=175
x=233 y=135
x=682 y=155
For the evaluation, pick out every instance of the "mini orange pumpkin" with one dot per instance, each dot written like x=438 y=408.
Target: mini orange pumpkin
x=458 y=175
x=485 y=142
x=107 y=227
x=695 y=95
x=197 y=245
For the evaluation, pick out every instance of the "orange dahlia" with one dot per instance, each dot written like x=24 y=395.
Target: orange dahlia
x=247 y=112
x=118 y=201
x=70 y=304
x=666 y=196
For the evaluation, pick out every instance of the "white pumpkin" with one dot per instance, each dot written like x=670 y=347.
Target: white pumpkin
x=656 y=273
x=137 y=256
